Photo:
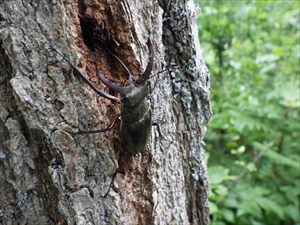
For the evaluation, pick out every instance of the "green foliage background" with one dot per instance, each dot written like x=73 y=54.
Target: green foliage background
x=252 y=49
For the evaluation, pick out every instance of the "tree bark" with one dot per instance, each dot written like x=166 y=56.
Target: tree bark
x=47 y=175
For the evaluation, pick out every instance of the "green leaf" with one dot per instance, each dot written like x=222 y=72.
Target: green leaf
x=267 y=58
x=217 y=174
x=228 y=215
x=270 y=206
x=221 y=190
x=283 y=160
x=240 y=162
x=268 y=68
x=231 y=203
x=250 y=206
x=290 y=93
x=251 y=167
x=217 y=223
x=239 y=151
x=292 y=212
x=213 y=208
x=277 y=157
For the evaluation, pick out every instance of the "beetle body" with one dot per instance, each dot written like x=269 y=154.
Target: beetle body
x=135 y=110
x=136 y=120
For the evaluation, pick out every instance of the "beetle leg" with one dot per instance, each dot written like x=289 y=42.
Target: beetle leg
x=86 y=79
x=111 y=184
x=160 y=135
x=97 y=131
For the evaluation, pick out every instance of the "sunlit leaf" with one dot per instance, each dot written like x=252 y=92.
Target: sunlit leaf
x=228 y=215
x=217 y=174
x=267 y=58
x=213 y=208
x=231 y=203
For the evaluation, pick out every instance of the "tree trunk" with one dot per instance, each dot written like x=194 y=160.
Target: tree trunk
x=47 y=175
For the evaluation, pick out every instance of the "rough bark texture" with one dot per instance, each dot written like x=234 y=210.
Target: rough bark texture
x=48 y=176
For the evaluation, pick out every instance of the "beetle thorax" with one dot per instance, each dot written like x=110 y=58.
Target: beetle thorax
x=134 y=105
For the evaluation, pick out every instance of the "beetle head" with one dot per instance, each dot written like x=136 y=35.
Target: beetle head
x=137 y=90
x=137 y=94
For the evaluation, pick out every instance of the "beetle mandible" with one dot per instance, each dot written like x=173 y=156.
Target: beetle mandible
x=135 y=113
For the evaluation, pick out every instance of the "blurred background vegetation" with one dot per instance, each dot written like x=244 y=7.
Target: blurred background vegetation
x=252 y=49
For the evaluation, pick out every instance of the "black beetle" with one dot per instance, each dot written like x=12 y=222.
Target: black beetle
x=135 y=110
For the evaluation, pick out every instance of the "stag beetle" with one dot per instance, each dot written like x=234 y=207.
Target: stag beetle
x=135 y=110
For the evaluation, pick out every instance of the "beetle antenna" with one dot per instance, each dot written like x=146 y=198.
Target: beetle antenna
x=158 y=80
x=162 y=71
x=167 y=69
x=86 y=79
x=155 y=85
x=124 y=66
